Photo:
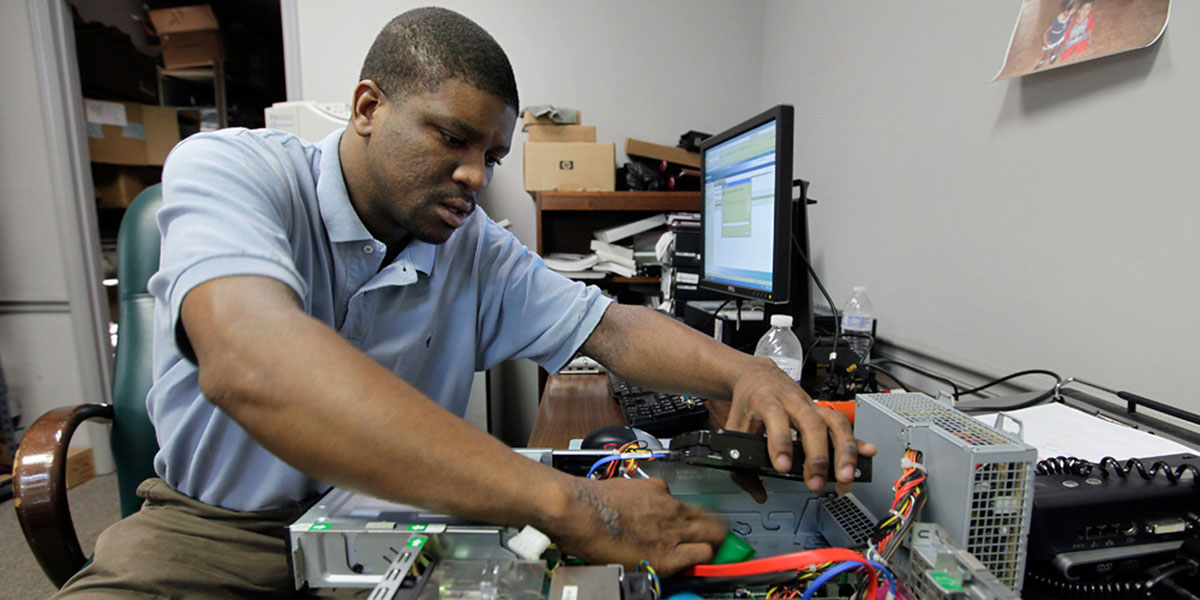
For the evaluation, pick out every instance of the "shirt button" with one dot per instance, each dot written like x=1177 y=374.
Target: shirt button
x=369 y=249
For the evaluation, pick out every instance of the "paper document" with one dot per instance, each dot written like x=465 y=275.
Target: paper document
x=1059 y=430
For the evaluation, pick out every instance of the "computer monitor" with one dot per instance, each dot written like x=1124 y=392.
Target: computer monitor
x=746 y=216
x=751 y=226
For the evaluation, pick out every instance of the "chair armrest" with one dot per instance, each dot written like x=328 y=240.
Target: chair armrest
x=40 y=489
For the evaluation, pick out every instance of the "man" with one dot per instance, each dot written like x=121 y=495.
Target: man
x=321 y=309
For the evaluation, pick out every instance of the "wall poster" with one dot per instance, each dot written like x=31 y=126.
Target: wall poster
x=1055 y=33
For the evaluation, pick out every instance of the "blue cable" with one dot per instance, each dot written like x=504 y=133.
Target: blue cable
x=824 y=578
x=886 y=574
x=836 y=570
x=626 y=456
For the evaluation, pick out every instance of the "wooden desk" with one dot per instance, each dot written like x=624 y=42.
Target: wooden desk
x=574 y=405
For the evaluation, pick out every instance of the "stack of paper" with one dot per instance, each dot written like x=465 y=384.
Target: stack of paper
x=1059 y=430
x=575 y=266
x=683 y=221
x=620 y=232
x=624 y=260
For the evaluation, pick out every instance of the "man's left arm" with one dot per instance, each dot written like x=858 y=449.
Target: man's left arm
x=656 y=352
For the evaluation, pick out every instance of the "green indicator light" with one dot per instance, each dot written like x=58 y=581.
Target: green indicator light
x=416 y=542
x=419 y=527
x=946 y=581
x=320 y=526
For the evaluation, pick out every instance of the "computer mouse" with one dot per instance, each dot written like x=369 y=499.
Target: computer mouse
x=614 y=436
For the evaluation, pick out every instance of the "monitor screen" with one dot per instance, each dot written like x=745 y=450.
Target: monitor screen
x=746 y=214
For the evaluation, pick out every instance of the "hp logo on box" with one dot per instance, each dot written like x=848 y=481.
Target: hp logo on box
x=566 y=165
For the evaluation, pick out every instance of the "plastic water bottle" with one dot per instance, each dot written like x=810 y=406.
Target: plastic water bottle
x=781 y=345
x=858 y=316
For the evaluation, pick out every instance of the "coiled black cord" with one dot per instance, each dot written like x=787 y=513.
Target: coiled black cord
x=1070 y=465
x=1173 y=474
x=1061 y=588
x=1143 y=588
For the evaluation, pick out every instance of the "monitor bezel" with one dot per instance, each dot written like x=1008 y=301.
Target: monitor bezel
x=781 y=267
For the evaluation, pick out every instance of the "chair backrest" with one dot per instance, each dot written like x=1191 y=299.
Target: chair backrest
x=133 y=442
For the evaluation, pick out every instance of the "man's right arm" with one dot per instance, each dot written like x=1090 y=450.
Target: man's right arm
x=327 y=409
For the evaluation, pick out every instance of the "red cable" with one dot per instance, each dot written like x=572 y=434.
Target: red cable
x=787 y=562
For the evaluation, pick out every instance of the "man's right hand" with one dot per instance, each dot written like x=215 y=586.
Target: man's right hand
x=626 y=521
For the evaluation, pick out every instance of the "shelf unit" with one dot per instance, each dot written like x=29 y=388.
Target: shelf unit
x=566 y=220
x=213 y=75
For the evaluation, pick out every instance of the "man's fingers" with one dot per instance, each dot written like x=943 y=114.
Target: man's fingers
x=844 y=444
x=753 y=485
x=814 y=437
x=704 y=529
x=738 y=420
x=683 y=556
x=779 y=438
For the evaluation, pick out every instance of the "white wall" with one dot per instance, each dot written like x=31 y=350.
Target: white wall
x=49 y=336
x=1047 y=221
x=651 y=71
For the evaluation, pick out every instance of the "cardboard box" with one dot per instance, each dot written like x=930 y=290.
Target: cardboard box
x=670 y=154
x=562 y=133
x=117 y=185
x=570 y=167
x=126 y=133
x=80 y=466
x=528 y=119
x=190 y=35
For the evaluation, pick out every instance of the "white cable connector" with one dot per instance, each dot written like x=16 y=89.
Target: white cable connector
x=906 y=463
x=529 y=544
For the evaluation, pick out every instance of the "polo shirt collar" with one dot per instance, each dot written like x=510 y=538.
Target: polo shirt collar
x=341 y=221
x=421 y=254
x=338 y=214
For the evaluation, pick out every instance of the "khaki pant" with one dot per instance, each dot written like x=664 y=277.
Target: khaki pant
x=177 y=547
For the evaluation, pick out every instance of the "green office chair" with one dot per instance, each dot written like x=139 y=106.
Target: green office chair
x=39 y=473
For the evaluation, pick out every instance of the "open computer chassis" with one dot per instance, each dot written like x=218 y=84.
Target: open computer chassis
x=349 y=540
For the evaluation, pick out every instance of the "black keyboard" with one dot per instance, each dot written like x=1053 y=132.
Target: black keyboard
x=656 y=413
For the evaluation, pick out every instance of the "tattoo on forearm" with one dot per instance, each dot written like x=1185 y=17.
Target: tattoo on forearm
x=608 y=515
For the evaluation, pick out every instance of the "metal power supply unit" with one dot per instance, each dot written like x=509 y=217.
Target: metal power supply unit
x=939 y=570
x=979 y=479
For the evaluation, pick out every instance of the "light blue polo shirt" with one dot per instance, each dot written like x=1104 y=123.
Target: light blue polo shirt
x=261 y=202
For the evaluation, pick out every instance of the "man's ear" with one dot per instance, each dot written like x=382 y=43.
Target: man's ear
x=365 y=109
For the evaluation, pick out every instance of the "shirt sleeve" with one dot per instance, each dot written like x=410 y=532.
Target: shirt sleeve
x=527 y=310
x=226 y=205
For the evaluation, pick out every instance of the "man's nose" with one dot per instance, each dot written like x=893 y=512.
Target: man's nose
x=472 y=175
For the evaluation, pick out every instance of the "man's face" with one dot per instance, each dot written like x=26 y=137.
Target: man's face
x=430 y=156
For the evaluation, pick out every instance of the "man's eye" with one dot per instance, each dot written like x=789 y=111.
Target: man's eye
x=453 y=140
x=492 y=161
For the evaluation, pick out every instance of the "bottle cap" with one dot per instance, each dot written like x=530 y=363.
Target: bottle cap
x=860 y=288
x=733 y=550
x=781 y=320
